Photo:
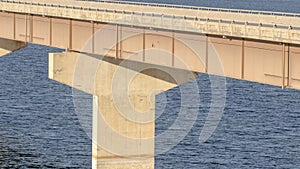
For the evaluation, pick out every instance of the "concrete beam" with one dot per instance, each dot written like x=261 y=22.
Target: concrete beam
x=123 y=104
x=7 y=46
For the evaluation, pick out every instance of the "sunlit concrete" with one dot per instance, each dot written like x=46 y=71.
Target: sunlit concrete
x=257 y=46
x=123 y=104
x=259 y=25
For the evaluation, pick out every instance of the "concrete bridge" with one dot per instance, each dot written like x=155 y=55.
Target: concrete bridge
x=125 y=52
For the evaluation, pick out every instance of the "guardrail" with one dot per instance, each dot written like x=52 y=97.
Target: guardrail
x=235 y=28
x=255 y=12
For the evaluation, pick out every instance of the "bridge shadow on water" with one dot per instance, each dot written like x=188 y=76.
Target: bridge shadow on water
x=39 y=128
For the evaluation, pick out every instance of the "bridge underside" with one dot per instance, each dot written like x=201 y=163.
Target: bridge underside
x=265 y=62
x=8 y=46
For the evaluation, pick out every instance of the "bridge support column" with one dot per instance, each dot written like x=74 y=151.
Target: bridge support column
x=123 y=104
x=7 y=46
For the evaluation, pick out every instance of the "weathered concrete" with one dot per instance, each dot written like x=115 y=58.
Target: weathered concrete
x=7 y=46
x=260 y=25
x=123 y=104
x=253 y=60
x=256 y=46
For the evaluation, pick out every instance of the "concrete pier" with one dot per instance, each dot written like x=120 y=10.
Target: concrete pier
x=7 y=46
x=123 y=104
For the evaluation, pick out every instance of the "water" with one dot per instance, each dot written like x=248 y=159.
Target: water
x=40 y=129
x=259 y=129
x=38 y=126
x=266 y=5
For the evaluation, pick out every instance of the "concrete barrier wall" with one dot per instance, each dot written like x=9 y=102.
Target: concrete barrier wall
x=261 y=25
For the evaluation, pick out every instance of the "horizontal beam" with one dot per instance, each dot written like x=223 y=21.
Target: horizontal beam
x=275 y=28
x=252 y=60
x=161 y=5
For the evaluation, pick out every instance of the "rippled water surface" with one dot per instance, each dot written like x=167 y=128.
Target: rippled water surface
x=266 y=5
x=39 y=128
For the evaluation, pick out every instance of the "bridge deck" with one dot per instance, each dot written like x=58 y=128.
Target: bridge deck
x=261 y=25
x=251 y=45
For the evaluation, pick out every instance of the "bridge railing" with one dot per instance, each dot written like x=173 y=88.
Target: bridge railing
x=91 y=6
x=242 y=11
x=226 y=27
x=227 y=10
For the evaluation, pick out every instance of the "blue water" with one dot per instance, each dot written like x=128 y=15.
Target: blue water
x=39 y=128
x=266 y=5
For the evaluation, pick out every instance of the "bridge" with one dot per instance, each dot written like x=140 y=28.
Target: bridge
x=125 y=52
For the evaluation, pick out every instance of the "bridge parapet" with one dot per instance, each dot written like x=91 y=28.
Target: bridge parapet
x=261 y=25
